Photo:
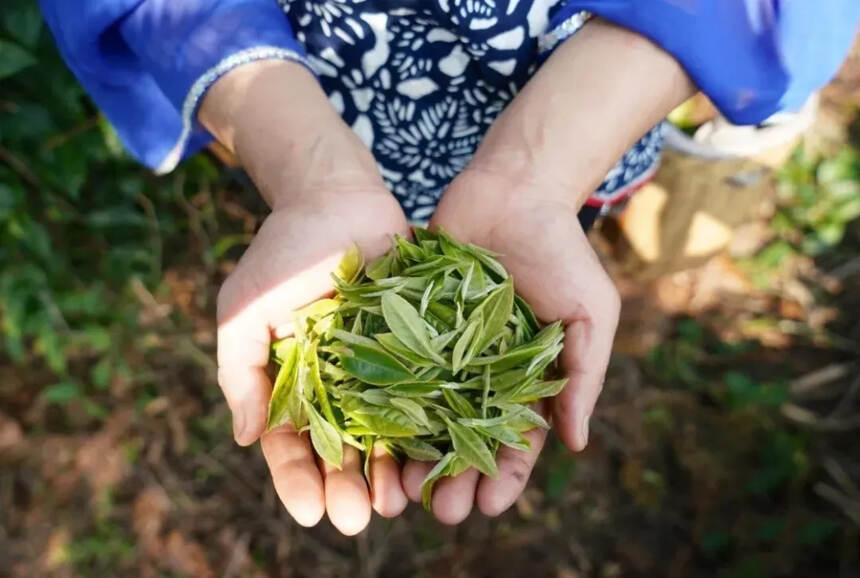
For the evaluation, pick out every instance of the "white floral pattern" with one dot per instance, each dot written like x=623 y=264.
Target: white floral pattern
x=421 y=82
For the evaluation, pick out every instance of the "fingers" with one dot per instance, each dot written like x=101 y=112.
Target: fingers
x=515 y=466
x=414 y=473
x=453 y=497
x=243 y=352
x=346 y=498
x=386 y=492
x=294 y=473
x=587 y=348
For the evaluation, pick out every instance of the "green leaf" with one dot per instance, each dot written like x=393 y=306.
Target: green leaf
x=526 y=314
x=374 y=366
x=507 y=436
x=465 y=346
x=356 y=339
x=317 y=309
x=324 y=437
x=408 y=252
x=380 y=268
x=414 y=410
x=485 y=392
x=318 y=386
x=387 y=422
x=542 y=360
x=288 y=351
x=349 y=268
x=441 y=469
x=496 y=309
x=471 y=447
x=525 y=419
x=61 y=393
x=550 y=336
x=425 y=299
x=13 y=59
x=22 y=21
x=490 y=422
x=530 y=392
x=417 y=450
x=415 y=389
x=390 y=342
x=422 y=235
x=441 y=341
x=431 y=267
x=442 y=312
x=459 y=404
x=369 y=441
x=405 y=322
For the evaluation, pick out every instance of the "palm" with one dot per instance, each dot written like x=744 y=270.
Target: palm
x=556 y=271
x=288 y=265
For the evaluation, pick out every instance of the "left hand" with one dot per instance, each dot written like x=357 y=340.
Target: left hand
x=555 y=269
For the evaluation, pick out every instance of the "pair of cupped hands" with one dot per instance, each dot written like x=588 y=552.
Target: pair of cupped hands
x=326 y=193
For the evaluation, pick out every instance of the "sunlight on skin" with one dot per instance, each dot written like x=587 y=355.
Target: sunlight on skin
x=326 y=193
x=256 y=304
x=300 y=288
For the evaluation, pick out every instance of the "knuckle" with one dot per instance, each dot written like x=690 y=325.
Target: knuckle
x=519 y=467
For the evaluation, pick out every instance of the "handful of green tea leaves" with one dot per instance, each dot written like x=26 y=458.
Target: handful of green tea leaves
x=427 y=351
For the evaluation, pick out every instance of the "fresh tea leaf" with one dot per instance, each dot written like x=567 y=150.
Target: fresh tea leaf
x=324 y=437
x=349 y=268
x=414 y=410
x=418 y=450
x=390 y=342
x=470 y=446
x=496 y=310
x=387 y=422
x=405 y=322
x=459 y=403
x=463 y=348
x=288 y=351
x=441 y=469
x=381 y=268
x=374 y=366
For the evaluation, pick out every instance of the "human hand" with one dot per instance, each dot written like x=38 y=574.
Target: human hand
x=556 y=271
x=551 y=147
x=326 y=194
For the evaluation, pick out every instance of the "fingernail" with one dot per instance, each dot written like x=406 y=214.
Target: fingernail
x=583 y=432
x=238 y=426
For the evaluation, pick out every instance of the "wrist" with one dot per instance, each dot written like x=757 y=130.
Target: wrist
x=275 y=117
x=601 y=90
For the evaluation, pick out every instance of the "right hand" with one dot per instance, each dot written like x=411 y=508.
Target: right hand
x=326 y=194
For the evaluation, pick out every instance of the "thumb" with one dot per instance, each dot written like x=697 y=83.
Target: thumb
x=588 y=340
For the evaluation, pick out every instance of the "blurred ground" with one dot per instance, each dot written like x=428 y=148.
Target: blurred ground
x=724 y=444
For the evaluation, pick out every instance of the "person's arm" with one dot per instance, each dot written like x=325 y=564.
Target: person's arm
x=597 y=94
x=152 y=66
x=148 y=63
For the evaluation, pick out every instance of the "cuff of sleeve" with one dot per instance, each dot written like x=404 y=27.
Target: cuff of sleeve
x=193 y=132
x=187 y=46
x=563 y=25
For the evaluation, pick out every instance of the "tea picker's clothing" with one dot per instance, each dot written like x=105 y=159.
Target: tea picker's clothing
x=420 y=81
